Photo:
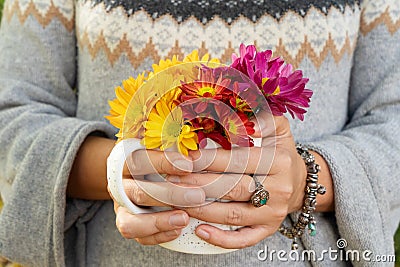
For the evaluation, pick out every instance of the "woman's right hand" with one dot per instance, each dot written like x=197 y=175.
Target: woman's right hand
x=158 y=227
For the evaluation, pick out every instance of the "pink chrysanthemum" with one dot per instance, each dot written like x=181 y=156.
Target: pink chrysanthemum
x=283 y=88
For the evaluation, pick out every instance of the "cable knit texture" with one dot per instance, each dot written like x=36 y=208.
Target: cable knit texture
x=61 y=59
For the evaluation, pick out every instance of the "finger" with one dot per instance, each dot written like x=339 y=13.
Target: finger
x=252 y=160
x=237 y=160
x=243 y=213
x=241 y=238
x=159 y=237
x=146 y=193
x=235 y=213
x=143 y=225
x=144 y=162
x=228 y=186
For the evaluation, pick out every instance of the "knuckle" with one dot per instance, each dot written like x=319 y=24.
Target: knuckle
x=134 y=162
x=236 y=192
x=234 y=216
x=286 y=191
x=164 y=165
x=123 y=227
x=158 y=223
x=139 y=196
x=198 y=212
x=195 y=180
x=161 y=165
x=171 y=196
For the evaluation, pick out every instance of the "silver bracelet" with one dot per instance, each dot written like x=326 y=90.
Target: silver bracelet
x=306 y=219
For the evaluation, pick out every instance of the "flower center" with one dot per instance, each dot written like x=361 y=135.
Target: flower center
x=206 y=91
x=134 y=116
x=173 y=129
x=240 y=103
x=232 y=127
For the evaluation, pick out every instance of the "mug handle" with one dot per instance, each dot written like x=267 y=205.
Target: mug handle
x=115 y=165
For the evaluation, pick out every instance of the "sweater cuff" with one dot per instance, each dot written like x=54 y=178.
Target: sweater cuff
x=360 y=206
x=50 y=157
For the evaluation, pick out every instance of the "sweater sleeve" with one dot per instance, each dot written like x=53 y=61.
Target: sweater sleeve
x=364 y=158
x=39 y=133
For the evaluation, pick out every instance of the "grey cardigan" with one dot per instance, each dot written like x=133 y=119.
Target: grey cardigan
x=350 y=50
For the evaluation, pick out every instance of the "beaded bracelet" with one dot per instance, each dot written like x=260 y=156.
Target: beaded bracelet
x=306 y=219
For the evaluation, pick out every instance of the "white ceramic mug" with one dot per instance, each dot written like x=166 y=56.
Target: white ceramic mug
x=188 y=241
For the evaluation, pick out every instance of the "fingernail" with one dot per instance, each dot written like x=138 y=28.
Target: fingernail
x=203 y=234
x=177 y=220
x=194 y=196
x=183 y=165
x=173 y=179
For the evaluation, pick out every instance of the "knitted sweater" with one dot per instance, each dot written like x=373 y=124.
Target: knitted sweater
x=61 y=59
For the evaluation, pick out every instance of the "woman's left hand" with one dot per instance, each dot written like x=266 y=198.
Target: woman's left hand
x=278 y=167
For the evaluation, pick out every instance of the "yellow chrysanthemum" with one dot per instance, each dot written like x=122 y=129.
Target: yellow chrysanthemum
x=140 y=102
x=194 y=57
x=166 y=128
x=171 y=97
x=165 y=64
x=120 y=104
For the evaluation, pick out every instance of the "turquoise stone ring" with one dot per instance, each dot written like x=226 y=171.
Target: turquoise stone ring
x=260 y=196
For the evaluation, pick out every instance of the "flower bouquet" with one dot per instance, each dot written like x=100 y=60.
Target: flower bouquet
x=197 y=102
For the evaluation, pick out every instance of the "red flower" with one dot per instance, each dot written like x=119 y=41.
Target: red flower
x=244 y=101
x=207 y=87
x=209 y=128
x=236 y=125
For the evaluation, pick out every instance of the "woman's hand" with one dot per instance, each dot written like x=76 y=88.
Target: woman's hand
x=285 y=175
x=158 y=227
x=88 y=181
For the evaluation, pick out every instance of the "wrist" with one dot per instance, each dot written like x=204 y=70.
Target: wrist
x=325 y=201
x=302 y=173
x=88 y=176
x=312 y=189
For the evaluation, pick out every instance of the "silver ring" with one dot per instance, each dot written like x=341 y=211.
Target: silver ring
x=260 y=196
